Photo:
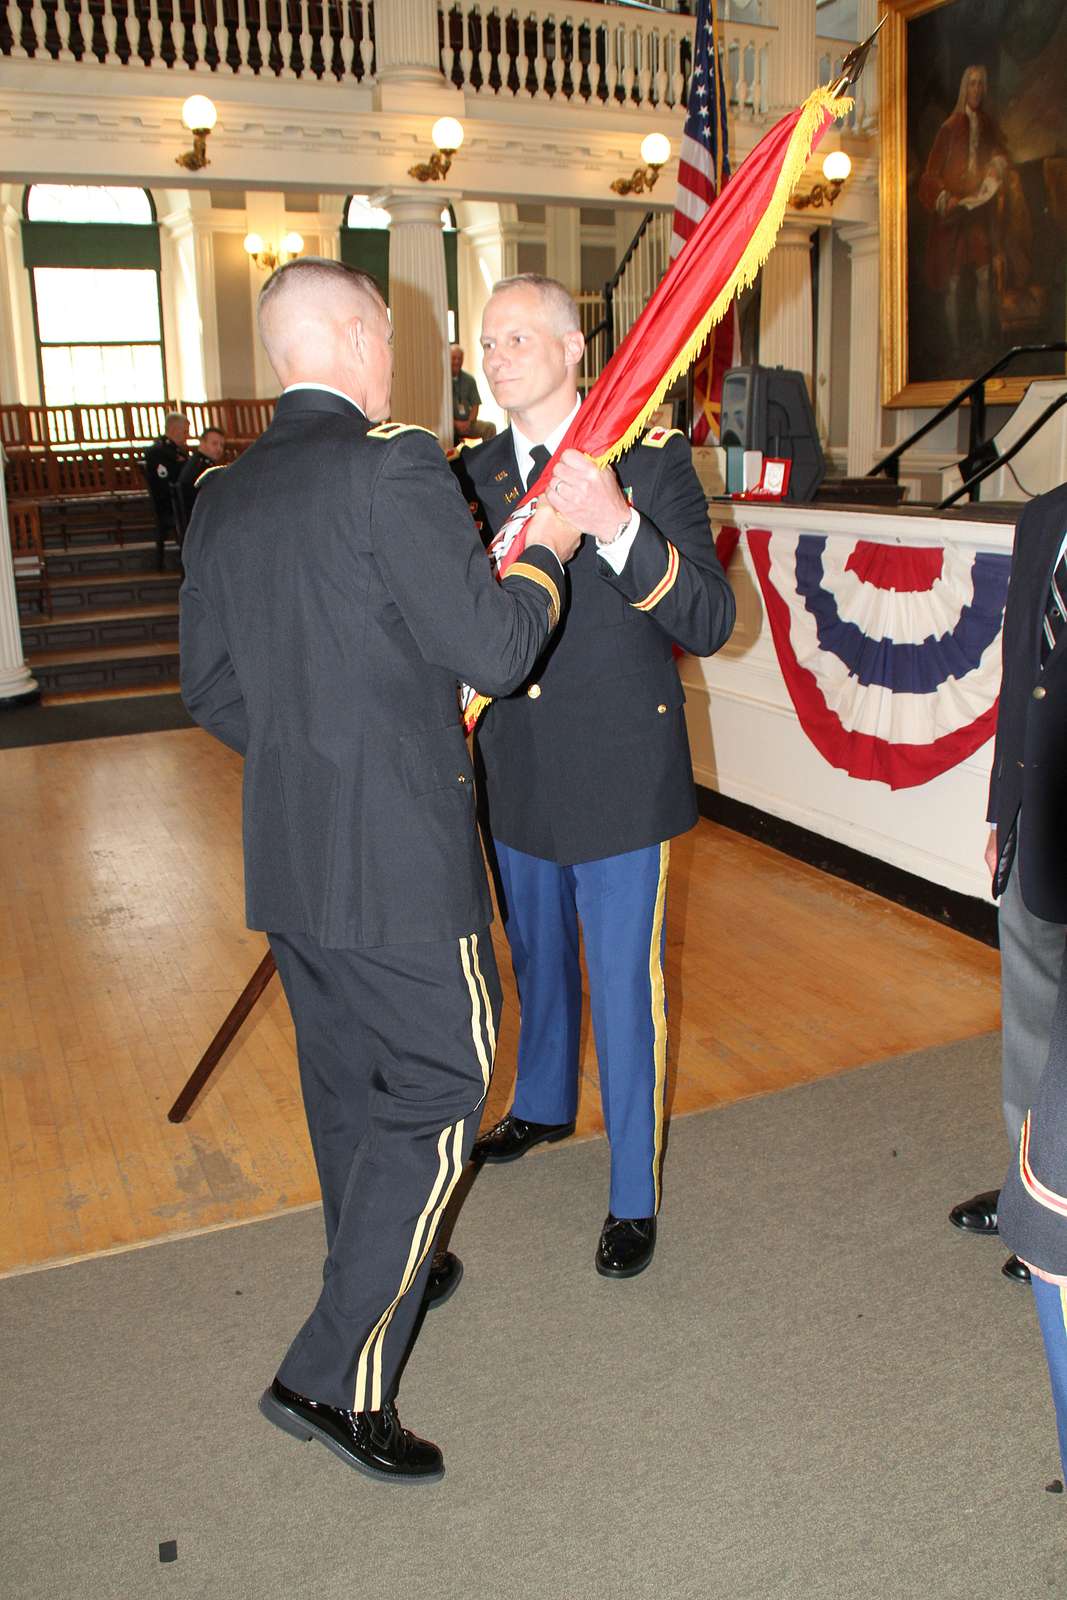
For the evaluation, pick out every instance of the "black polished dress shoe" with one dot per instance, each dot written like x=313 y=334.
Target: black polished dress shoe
x=978 y=1215
x=512 y=1137
x=1016 y=1270
x=374 y=1442
x=445 y=1272
x=626 y=1246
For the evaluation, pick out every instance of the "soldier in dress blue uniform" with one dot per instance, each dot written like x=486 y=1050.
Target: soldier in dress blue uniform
x=585 y=772
x=207 y=455
x=163 y=463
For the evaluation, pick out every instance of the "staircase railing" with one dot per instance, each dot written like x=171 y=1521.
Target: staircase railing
x=982 y=456
x=628 y=289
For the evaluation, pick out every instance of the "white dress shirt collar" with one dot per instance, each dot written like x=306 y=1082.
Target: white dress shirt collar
x=524 y=446
x=293 y=387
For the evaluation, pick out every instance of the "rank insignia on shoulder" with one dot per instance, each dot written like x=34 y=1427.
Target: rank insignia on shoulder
x=390 y=430
x=657 y=437
x=220 y=466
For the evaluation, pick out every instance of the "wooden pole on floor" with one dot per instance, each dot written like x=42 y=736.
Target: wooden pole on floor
x=223 y=1039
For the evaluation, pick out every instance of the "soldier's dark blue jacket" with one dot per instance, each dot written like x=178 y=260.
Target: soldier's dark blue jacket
x=590 y=756
x=335 y=590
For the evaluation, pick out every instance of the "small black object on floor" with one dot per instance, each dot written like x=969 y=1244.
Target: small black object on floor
x=91 y=719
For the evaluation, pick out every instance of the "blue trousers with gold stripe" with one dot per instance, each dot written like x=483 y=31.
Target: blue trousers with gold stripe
x=619 y=902
x=396 y=1047
x=1051 y=1303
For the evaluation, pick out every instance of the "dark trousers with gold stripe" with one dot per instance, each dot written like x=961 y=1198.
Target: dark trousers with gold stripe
x=396 y=1049
x=619 y=902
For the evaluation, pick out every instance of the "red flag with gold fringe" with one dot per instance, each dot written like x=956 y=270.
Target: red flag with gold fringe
x=724 y=255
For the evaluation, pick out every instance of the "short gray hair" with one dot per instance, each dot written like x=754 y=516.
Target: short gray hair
x=175 y=416
x=312 y=271
x=559 y=302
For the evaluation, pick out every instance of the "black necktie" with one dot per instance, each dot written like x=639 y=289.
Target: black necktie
x=1055 y=609
x=538 y=463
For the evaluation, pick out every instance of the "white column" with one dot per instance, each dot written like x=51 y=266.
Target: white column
x=19 y=384
x=265 y=215
x=563 y=246
x=510 y=233
x=481 y=255
x=791 y=68
x=785 y=327
x=418 y=300
x=864 y=382
x=190 y=318
x=17 y=683
x=406 y=42
x=331 y=219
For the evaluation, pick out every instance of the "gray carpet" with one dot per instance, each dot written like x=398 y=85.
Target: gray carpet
x=819 y=1388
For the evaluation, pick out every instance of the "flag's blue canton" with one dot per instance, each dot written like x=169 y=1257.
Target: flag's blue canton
x=707 y=95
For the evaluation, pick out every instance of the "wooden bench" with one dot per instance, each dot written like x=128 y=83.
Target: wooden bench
x=27 y=554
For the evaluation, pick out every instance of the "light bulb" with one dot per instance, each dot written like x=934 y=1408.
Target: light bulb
x=447 y=134
x=655 y=149
x=199 y=114
x=837 y=166
x=293 y=243
x=253 y=244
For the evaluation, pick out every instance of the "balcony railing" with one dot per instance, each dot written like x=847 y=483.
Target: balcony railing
x=284 y=38
x=134 y=423
x=569 y=51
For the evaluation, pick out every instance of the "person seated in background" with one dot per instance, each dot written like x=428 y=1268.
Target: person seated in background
x=163 y=462
x=208 y=454
x=465 y=400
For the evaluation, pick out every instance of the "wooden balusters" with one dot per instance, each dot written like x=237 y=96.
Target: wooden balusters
x=244 y=33
x=334 y=29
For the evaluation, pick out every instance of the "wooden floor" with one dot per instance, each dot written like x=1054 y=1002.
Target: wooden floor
x=122 y=946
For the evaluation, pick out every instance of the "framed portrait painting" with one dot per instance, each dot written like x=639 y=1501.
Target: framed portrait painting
x=973 y=194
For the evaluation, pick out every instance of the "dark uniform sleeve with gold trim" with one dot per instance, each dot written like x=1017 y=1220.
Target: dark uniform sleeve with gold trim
x=434 y=566
x=672 y=573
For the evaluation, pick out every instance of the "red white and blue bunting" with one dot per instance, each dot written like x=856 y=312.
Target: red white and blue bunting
x=891 y=653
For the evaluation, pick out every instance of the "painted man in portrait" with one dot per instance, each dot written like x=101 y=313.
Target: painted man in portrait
x=980 y=233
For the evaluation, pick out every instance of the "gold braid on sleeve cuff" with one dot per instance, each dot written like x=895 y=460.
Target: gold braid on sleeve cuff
x=665 y=584
x=522 y=569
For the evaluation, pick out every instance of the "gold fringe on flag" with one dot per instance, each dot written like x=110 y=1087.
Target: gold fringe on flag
x=755 y=253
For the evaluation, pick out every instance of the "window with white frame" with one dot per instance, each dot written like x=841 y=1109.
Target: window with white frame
x=93 y=257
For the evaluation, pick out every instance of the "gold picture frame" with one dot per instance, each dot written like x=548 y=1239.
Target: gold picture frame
x=898 y=386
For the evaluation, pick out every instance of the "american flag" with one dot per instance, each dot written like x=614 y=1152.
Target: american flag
x=703 y=168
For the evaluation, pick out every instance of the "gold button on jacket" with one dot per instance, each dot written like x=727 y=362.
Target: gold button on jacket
x=534 y=691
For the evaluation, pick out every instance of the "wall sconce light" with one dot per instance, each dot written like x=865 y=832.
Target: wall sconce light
x=835 y=169
x=266 y=257
x=655 y=150
x=447 y=135
x=199 y=116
